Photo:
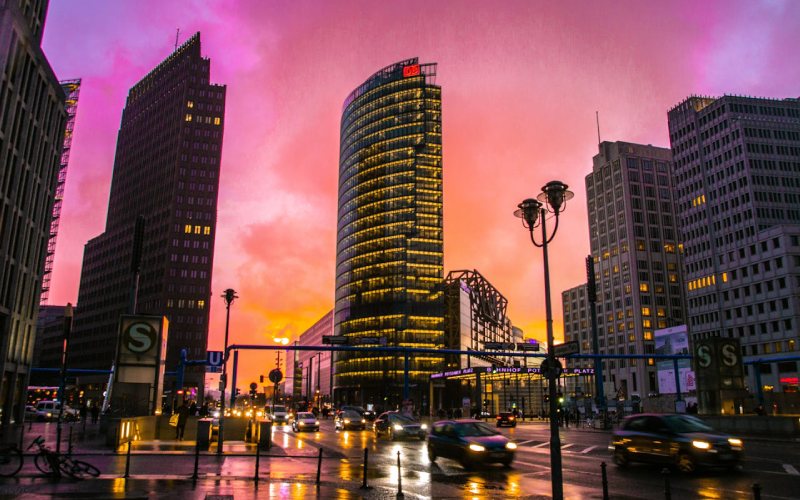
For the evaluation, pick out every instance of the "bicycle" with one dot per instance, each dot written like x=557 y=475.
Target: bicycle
x=46 y=460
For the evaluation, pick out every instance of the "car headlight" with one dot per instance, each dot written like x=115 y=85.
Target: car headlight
x=703 y=445
x=363 y=420
x=398 y=427
x=424 y=427
x=511 y=418
x=316 y=422
x=735 y=442
x=347 y=420
x=511 y=446
x=301 y=423
x=476 y=447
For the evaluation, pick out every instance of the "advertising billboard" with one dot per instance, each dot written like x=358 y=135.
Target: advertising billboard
x=674 y=340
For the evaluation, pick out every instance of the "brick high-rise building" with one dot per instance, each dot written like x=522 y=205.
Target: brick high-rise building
x=32 y=118
x=166 y=170
x=737 y=174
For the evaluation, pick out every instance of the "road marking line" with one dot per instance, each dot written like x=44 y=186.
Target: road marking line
x=526 y=442
x=587 y=450
x=791 y=470
x=541 y=444
x=567 y=446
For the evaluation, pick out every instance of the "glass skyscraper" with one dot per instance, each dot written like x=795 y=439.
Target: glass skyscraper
x=389 y=249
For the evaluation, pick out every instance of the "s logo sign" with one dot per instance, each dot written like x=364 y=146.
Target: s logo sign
x=139 y=338
x=704 y=356
x=729 y=357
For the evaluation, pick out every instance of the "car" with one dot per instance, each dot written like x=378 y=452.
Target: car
x=396 y=425
x=358 y=409
x=469 y=442
x=369 y=415
x=278 y=414
x=349 y=419
x=48 y=410
x=506 y=418
x=682 y=441
x=30 y=412
x=305 y=421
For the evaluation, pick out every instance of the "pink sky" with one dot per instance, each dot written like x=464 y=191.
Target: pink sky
x=521 y=82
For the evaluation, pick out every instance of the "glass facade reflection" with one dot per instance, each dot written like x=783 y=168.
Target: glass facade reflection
x=389 y=249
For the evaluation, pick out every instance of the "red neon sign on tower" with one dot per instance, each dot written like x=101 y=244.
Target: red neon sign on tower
x=412 y=70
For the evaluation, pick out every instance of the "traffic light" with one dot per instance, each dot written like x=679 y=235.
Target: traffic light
x=261 y=378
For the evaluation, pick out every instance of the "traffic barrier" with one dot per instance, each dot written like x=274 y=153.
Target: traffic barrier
x=258 y=458
x=399 y=478
x=756 y=491
x=605 y=480
x=128 y=460
x=366 y=457
x=319 y=465
x=667 y=488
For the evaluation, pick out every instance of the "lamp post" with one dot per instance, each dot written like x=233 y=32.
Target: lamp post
x=229 y=295
x=62 y=388
x=533 y=213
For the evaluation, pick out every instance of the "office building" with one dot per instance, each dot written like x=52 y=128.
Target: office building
x=737 y=179
x=32 y=118
x=389 y=249
x=314 y=368
x=635 y=247
x=166 y=173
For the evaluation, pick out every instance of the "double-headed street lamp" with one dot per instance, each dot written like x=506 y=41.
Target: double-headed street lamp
x=62 y=396
x=229 y=295
x=533 y=213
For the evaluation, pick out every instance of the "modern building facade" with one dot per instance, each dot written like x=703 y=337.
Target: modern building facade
x=737 y=174
x=32 y=118
x=166 y=171
x=635 y=247
x=389 y=249
x=314 y=368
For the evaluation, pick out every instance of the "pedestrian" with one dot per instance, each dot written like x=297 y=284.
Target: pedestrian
x=95 y=413
x=193 y=409
x=84 y=411
x=204 y=410
x=183 y=416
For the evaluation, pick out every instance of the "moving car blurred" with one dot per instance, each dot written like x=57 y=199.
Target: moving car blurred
x=305 y=421
x=395 y=426
x=48 y=410
x=506 y=418
x=278 y=414
x=683 y=441
x=470 y=442
x=349 y=419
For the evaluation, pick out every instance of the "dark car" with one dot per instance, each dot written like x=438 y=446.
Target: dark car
x=369 y=415
x=349 y=419
x=683 y=441
x=506 y=418
x=395 y=425
x=470 y=442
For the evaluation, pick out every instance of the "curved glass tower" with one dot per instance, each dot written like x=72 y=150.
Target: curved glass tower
x=389 y=248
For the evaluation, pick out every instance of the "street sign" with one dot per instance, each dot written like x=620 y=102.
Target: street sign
x=499 y=346
x=275 y=376
x=253 y=386
x=526 y=346
x=566 y=349
x=370 y=341
x=551 y=372
x=214 y=358
x=334 y=339
x=213 y=369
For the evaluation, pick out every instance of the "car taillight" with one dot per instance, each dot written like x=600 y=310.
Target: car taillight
x=498 y=417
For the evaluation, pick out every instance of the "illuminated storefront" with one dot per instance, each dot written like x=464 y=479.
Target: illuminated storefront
x=389 y=258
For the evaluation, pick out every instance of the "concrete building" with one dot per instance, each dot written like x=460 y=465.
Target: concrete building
x=389 y=249
x=737 y=178
x=315 y=368
x=636 y=252
x=166 y=173
x=32 y=120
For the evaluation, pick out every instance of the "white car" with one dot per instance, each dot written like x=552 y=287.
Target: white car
x=279 y=415
x=48 y=410
x=305 y=421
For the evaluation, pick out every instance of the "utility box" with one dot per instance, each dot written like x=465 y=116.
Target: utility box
x=204 y=433
x=265 y=434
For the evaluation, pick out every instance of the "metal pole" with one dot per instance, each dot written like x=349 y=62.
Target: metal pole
x=667 y=487
x=759 y=387
x=196 y=459
x=128 y=460
x=229 y=296
x=756 y=491
x=364 y=479
x=319 y=465
x=600 y=395
x=233 y=379
x=605 y=480
x=63 y=386
x=399 y=478
x=258 y=457
x=677 y=380
x=555 y=439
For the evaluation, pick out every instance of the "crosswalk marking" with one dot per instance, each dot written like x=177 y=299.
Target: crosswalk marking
x=541 y=444
x=523 y=443
x=587 y=450
x=567 y=446
x=790 y=469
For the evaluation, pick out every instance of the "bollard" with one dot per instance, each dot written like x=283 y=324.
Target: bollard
x=756 y=491
x=364 y=481
x=667 y=489
x=128 y=460
x=258 y=458
x=605 y=480
x=69 y=448
x=399 y=478
x=196 y=459
x=319 y=465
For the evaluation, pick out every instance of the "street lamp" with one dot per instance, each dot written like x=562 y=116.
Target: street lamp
x=229 y=295
x=62 y=389
x=533 y=213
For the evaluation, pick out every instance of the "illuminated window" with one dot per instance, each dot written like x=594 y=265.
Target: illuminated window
x=650 y=361
x=207 y=230
x=662 y=323
x=196 y=229
x=647 y=323
x=660 y=312
x=724 y=277
x=669 y=248
x=190 y=104
x=631 y=337
x=217 y=120
x=640 y=245
x=201 y=304
x=647 y=335
x=187 y=228
x=188 y=117
x=627 y=288
x=673 y=278
x=644 y=287
x=645 y=311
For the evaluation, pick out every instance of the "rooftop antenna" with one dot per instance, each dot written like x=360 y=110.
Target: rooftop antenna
x=177 y=32
x=597 y=118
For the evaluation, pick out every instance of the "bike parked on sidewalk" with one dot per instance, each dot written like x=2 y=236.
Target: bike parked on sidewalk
x=46 y=460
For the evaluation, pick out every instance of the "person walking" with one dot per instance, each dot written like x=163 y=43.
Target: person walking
x=183 y=416
x=95 y=413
